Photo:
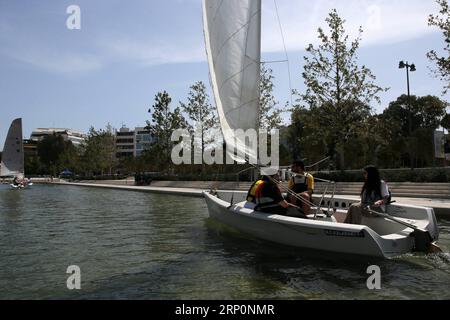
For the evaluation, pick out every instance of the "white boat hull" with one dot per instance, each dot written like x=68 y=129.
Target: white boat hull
x=314 y=234
x=20 y=187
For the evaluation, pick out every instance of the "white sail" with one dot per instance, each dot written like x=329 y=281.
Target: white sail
x=12 y=164
x=233 y=43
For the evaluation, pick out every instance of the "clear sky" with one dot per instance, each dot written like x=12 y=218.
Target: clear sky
x=127 y=51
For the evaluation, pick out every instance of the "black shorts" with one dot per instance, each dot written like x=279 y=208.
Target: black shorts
x=274 y=210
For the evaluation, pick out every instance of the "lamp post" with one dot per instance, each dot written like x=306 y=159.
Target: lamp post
x=412 y=68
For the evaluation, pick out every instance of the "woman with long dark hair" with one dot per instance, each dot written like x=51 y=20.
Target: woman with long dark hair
x=374 y=193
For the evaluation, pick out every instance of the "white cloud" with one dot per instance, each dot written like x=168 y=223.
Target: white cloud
x=34 y=49
x=64 y=63
x=149 y=52
x=384 y=22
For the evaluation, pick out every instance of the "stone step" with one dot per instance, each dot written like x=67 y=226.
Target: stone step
x=408 y=187
x=420 y=186
x=395 y=192
x=392 y=189
x=415 y=195
x=398 y=189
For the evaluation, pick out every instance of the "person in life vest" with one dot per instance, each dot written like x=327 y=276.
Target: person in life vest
x=266 y=194
x=16 y=181
x=375 y=193
x=26 y=182
x=301 y=183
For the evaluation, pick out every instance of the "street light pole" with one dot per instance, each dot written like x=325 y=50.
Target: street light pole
x=407 y=77
x=409 y=67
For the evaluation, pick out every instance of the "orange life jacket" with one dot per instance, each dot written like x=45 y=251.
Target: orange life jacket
x=255 y=191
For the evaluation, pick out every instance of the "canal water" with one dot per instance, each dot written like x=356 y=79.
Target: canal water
x=132 y=245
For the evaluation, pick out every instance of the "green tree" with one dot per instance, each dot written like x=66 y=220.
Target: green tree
x=32 y=165
x=445 y=123
x=426 y=115
x=55 y=153
x=442 y=21
x=306 y=139
x=200 y=111
x=269 y=113
x=163 y=122
x=338 y=90
x=99 y=151
x=295 y=132
x=127 y=164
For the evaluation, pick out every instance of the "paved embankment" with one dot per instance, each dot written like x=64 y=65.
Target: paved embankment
x=195 y=189
x=188 y=192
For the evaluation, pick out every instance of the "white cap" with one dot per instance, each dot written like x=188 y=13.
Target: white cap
x=269 y=171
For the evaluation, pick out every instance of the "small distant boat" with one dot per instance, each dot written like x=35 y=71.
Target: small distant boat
x=12 y=164
x=21 y=185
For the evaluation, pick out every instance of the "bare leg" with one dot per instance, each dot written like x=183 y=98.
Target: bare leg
x=354 y=214
x=293 y=200
x=306 y=207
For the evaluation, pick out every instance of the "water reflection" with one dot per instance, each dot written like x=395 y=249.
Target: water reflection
x=133 y=245
x=329 y=275
x=12 y=200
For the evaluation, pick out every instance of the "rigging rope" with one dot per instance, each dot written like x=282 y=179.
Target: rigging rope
x=285 y=52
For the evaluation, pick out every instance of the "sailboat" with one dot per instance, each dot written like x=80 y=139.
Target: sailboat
x=232 y=31
x=12 y=164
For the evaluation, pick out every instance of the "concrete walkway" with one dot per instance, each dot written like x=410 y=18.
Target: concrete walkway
x=440 y=206
x=187 y=192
